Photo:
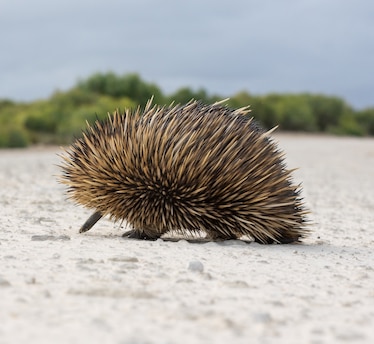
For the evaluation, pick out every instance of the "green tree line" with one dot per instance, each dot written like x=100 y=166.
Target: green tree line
x=61 y=117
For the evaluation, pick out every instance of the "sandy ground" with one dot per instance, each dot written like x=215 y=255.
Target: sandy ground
x=58 y=286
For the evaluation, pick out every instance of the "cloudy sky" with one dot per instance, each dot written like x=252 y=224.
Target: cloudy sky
x=319 y=46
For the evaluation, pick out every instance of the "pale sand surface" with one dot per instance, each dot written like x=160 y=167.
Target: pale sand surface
x=58 y=286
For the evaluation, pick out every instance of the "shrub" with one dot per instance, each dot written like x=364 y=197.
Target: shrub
x=347 y=125
x=13 y=138
x=366 y=119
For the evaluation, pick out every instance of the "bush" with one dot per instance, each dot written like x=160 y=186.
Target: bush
x=327 y=110
x=130 y=86
x=264 y=112
x=262 y=108
x=347 y=125
x=185 y=94
x=366 y=119
x=294 y=114
x=13 y=138
x=74 y=122
x=64 y=114
x=40 y=123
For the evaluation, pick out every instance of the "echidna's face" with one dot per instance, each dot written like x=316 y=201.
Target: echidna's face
x=189 y=168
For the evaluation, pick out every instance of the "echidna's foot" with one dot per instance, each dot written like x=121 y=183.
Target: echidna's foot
x=290 y=236
x=266 y=241
x=218 y=236
x=289 y=239
x=135 y=234
x=283 y=239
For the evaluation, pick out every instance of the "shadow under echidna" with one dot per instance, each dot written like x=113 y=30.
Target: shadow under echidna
x=191 y=168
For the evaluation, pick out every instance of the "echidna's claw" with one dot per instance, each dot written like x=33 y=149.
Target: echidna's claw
x=96 y=216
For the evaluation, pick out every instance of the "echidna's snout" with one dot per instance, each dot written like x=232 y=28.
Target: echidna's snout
x=96 y=216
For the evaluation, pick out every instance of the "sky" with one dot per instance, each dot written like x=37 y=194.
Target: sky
x=260 y=46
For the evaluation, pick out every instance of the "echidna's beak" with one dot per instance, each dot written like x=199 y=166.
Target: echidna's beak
x=90 y=222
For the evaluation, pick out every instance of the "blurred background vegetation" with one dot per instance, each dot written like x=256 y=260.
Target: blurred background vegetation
x=62 y=117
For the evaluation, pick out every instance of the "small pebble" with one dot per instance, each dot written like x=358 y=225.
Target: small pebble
x=4 y=282
x=124 y=259
x=49 y=237
x=196 y=265
x=30 y=280
x=262 y=317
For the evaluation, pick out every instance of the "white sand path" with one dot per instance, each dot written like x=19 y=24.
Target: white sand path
x=58 y=286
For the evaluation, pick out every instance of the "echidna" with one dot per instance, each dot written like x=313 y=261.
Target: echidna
x=190 y=168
